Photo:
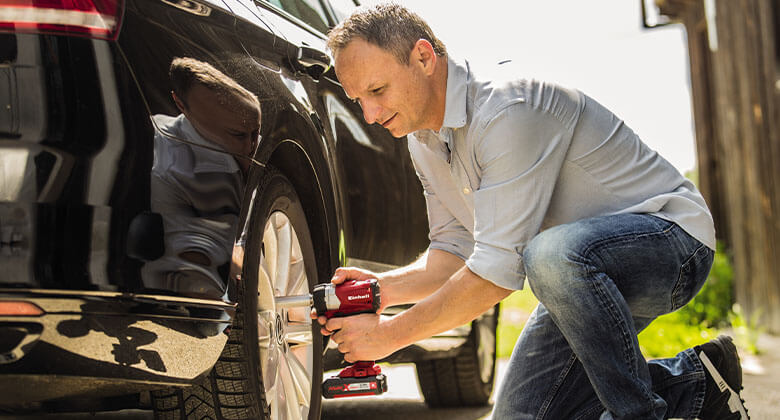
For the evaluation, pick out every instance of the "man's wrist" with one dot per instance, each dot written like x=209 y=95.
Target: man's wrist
x=389 y=332
x=385 y=291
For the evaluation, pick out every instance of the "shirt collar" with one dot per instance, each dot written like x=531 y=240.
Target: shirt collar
x=454 y=109
x=457 y=88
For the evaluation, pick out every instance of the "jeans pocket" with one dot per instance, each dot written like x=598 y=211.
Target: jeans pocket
x=693 y=274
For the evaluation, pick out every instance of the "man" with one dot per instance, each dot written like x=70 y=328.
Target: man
x=200 y=159
x=524 y=178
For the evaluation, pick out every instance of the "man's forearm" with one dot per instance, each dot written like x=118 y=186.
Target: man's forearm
x=461 y=299
x=418 y=280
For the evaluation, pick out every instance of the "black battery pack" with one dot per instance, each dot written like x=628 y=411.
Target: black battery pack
x=338 y=387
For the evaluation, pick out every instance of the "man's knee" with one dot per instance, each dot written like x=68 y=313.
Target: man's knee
x=552 y=259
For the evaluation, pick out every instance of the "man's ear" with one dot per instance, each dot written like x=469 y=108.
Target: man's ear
x=179 y=102
x=424 y=56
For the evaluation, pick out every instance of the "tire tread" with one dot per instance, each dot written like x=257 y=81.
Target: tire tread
x=456 y=381
x=233 y=390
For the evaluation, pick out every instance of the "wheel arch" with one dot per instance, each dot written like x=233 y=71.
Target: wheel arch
x=317 y=200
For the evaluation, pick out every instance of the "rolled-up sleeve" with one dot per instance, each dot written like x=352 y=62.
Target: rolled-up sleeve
x=520 y=152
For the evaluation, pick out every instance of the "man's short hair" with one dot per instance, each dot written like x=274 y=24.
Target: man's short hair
x=389 y=26
x=185 y=72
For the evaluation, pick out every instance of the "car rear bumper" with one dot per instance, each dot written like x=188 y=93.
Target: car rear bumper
x=106 y=342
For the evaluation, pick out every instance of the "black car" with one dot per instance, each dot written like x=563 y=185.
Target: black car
x=168 y=170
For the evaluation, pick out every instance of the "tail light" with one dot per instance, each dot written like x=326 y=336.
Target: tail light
x=19 y=308
x=89 y=18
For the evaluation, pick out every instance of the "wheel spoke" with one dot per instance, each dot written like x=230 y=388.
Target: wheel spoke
x=271 y=365
x=299 y=334
x=276 y=399
x=284 y=235
x=297 y=273
x=301 y=380
x=265 y=292
x=264 y=334
x=298 y=282
x=271 y=251
x=269 y=350
x=296 y=387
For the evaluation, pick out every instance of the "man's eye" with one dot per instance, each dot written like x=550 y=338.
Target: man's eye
x=377 y=90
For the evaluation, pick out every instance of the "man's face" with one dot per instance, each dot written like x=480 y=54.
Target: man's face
x=229 y=121
x=392 y=94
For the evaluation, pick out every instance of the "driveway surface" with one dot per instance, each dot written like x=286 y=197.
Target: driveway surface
x=404 y=401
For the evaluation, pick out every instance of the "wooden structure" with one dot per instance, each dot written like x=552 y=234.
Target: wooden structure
x=734 y=49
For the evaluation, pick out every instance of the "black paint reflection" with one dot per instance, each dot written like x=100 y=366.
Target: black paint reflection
x=201 y=158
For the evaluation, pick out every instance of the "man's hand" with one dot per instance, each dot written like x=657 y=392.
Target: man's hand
x=341 y=275
x=360 y=337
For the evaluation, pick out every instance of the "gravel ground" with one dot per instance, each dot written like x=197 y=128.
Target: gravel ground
x=761 y=379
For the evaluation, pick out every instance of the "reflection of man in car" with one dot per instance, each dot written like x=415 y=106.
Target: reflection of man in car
x=200 y=160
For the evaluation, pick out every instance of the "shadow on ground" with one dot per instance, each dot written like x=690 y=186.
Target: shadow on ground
x=393 y=409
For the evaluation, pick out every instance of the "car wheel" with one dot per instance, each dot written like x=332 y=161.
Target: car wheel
x=271 y=367
x=467 y=378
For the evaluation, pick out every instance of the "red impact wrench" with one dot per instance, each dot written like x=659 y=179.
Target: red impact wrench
x=335 y=300
x=350 y=298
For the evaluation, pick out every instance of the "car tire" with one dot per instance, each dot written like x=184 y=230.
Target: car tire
x=467 y=378
x=271 y=367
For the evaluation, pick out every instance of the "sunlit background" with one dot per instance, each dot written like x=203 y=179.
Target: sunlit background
x=596 y=46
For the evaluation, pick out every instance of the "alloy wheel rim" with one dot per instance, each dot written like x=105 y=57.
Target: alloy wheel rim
x=285 y=336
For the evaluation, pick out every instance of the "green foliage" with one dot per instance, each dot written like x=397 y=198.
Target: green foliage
x=712 y=306
x=523 y=300
x=506 y=336
x=515 y=310
x=693 y=175
x=670 y=334
x=746 y=331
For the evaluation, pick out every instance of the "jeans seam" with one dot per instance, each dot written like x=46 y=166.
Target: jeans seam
x=556 y=386
x=596 y=407
x=678 y=285
x=628 y=355
x=679 y=379
x=698 y=401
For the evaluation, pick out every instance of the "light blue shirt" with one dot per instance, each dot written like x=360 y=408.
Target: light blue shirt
x=197 y=189
x=517 y=156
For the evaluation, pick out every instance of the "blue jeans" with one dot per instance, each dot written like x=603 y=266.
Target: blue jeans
x=599 y=282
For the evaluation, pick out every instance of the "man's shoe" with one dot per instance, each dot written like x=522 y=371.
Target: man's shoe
x=724 y=380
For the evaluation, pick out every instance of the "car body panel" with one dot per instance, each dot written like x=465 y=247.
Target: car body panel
x=86 y=225
x=143 y=339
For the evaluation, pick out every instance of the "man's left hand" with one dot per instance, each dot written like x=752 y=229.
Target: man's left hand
x=360 y=337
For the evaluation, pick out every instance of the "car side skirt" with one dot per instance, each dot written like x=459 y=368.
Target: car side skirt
x=109 y=338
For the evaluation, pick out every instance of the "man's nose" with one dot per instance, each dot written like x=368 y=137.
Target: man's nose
x=371 y=111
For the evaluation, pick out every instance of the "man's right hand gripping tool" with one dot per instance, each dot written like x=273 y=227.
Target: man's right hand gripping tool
x=350 y=298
